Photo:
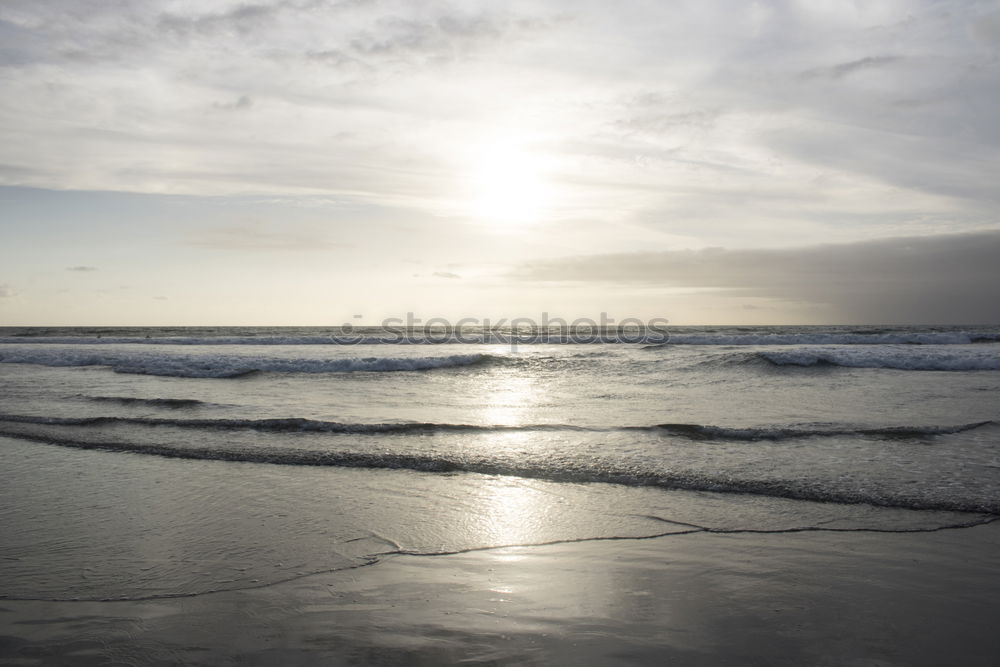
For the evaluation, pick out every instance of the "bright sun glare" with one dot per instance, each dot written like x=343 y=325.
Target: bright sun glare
x=508 y=185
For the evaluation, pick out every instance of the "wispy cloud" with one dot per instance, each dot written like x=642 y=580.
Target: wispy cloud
x=843 y=69
x=82 y=269
x=6 y=291
x=440 y=38
x=261 y=236
x=711 y=88
x=446 y=274
x=377 y=123
x=243 y=19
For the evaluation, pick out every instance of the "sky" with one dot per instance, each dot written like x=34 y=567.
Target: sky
x=313 y=162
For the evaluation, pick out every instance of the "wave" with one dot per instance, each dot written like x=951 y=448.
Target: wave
x=583 y=472
x=231 y=366
x=897 y=358
x=703 y=432
x=290 y=425
x=173 y=403
x=651 y=338
x=690 y=431
x=893 y=338
x=348 y=339
x=205 y=365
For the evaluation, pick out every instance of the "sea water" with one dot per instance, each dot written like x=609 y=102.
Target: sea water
x=155 y=462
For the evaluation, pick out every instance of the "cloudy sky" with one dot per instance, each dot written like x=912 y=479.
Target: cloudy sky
x=306 y=161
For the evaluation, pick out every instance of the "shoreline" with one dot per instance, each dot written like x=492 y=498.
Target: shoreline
x=857 y=598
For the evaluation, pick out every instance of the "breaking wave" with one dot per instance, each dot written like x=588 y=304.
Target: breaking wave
x=346 y=339
x=230 y=366
x=898 y=358
x=703 y=432
x=580 y=472
x=172 y=403
x=889 y=338
x=690 y=431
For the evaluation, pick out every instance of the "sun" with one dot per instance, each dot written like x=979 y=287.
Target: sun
x=508 y=185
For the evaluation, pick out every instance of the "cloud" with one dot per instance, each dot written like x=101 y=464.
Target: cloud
x=985 y=30
x=260 y=236
x=335 y=58
x=6 y=291
x=443 y=37
x=818 y=118
x=843 y=69
x=242 y=102
x=932 y=279
x=242 y=19
x=659 y=114
x=445 y=274
x=82 y=269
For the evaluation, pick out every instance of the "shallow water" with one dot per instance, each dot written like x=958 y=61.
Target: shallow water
x=210 y=459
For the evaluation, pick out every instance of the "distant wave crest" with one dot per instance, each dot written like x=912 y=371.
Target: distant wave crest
x=342 y=339
x=889 y=338
x=654 y=339
x=230 y=366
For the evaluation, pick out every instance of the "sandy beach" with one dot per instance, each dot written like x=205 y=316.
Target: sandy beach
x=702 y=504
x=819 y=598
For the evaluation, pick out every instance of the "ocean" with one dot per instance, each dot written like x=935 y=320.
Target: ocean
x=148 y=463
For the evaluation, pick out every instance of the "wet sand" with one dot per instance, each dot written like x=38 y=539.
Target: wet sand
x=812 y=598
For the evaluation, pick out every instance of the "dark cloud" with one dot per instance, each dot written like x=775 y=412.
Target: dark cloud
x=931 y=279
x=82 y=269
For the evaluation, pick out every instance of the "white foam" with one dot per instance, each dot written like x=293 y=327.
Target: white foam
x=224 y=365
x=343 y=339
x=901 y=338
x=931 y=358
